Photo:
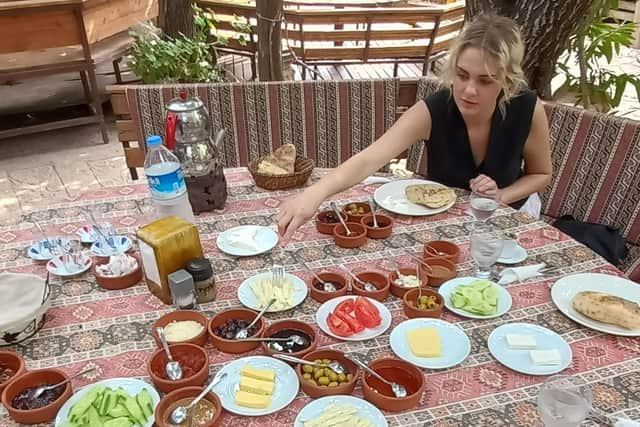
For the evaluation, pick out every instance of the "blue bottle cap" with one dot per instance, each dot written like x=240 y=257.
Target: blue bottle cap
x=153 y=140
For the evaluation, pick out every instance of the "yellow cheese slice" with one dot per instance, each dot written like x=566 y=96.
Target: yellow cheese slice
x=424 y=342
x=252 y=385
x=259 y=374
x=251 y=400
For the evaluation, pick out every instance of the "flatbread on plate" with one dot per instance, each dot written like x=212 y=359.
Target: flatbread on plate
x=433 y=196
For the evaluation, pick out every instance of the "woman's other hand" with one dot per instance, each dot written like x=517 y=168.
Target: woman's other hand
x=295 y=211
x=484 y=185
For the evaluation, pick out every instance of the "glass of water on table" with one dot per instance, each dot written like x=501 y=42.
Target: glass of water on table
x=483 y=205
x=486 y=243
x=564 y=401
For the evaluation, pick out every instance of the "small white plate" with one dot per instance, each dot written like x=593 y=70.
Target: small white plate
x=519 y=360
x=131 y=386
x=56 y=266
x=317 y=407
x=285 y=390
x=367 y=334
x=249 y=299
x=39 y=251
x=447 y=288
x=247 y=240
x=566 y=288
x=518 y=254
x=454 y=343
x=87 y=234
x=391 y=196
x=121 y=244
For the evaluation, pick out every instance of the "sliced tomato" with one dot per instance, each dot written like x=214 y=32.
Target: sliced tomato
x=338 y=327
x=367 y=313
x=353 y=323
x=347 y=307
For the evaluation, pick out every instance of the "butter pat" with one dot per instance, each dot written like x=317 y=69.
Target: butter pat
x=545 y=357
x=259 y=374
x=252 y=385
x=424 y=342
x=251 y=400
x=521 y=342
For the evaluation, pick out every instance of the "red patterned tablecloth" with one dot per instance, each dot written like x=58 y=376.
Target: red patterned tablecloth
x=110 y=329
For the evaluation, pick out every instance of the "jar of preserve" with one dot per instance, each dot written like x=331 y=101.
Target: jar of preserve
x=200 y=269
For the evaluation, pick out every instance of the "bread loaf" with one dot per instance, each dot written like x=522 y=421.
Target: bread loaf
x=608 y=309
x=281 y=162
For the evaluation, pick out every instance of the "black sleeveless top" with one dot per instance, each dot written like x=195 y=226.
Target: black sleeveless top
x=449 y=156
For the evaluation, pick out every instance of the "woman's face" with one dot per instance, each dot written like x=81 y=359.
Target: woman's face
x=475 y=88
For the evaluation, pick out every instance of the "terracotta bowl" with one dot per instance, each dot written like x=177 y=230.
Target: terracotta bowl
x=314 y=391
x=99 y=259
x=398 y=290
x=161 y=415
x=411 y=309
x=450 y=249
x=35 y=379
x=120 y=282
x=327 y=227
x=233 y=346
x=296 y=325
x=13 y=361
x=327 y=276
x=396 y=370
x=180 y=316
x=379 y=280
x=357 y=238
x=353 y=217
x=441 y=271
x=384 y=228
x=193 y=360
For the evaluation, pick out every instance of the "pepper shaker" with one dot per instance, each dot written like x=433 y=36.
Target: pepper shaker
x=183 y=290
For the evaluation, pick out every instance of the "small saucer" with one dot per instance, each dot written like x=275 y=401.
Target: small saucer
x=518 y=254
x=56 y=266
x=122 y=244
x=39 y=251
x=86 y=234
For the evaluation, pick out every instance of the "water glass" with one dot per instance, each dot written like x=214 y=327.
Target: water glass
x=564 y=401
x=486 y=244
x=483 y=205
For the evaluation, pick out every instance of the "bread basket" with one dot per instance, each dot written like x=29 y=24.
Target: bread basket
x=303 y=168
x=23 y=324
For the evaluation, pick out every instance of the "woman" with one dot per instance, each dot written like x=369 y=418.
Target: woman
x=485 y=131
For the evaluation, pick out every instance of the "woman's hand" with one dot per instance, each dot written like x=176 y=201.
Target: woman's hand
x=484 y=185
x=294 y=212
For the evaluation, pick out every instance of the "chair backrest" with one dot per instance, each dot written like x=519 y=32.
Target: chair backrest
x=327 y=121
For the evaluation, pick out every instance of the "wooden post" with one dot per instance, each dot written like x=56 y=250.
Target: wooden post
x=176 y=17
x=269 y=14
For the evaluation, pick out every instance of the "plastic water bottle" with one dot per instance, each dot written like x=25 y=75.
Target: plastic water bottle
x=166 y=182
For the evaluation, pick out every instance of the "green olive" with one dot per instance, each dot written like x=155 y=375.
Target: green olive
x=307 y=369
x=319 y=373
x=323 y=381
x=333 y=376
x=342 y=378
x=326 y=361
x=349 y=377
x=333 y=384
x=318 y=361
x=306 y=376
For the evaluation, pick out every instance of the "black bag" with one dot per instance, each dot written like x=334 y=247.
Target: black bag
x=603 y=239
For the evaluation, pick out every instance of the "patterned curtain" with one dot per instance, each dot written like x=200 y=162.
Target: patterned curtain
x=417 y=155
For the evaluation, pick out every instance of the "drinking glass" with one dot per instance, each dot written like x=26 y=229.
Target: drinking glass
x=486 y=244
x=564 y=401
x=483 y=205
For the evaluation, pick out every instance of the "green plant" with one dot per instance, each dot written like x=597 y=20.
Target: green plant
x=593 y=85
x=156 y=59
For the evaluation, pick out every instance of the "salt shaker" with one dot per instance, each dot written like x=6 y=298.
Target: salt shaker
x=183 y=290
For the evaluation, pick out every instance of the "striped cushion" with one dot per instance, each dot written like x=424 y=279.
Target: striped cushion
x=328 y=121
x=417 y=155
x=631 y=264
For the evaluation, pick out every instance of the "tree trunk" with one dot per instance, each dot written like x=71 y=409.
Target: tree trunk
x=176 y=17
x=269 y=40
x=546 y=26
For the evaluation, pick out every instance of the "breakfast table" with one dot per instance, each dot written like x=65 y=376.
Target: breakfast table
x=88 y=326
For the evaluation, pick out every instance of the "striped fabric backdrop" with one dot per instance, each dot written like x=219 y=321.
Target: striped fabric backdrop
x=327 y=121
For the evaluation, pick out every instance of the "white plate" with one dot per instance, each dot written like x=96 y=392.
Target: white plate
x=249 y=300
x=567 y=287
x=454 y=343
x=519 y=254
x=285 y=390
x=316 y=407
x=367 y=334
x=56 y=266
x=392 y=197
x=121 y=244
x=39 y=251
x=247 y=240
x=87 y=234
x=130 y=385
x=519 y=360
x=447 y=288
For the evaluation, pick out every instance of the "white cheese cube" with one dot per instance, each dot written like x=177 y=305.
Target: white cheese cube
x=521 y=342
x=545 y=357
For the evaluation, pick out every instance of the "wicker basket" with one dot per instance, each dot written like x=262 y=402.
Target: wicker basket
x=303 y=169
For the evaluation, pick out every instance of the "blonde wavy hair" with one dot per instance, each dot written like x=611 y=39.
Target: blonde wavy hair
x=499 y=38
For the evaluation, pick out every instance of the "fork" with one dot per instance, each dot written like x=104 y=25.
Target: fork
x=277 y=275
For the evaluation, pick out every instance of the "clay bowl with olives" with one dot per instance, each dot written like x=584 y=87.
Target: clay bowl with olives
x=337 y=280
x=384 y=228
x=357 y=238
x=355 y=211
x=430 y=304
x=407 y=281
x=439 y=271
x=398 y=371
x=305 y=343
x=319 y=382
x=224 y=325
x=378 y=280
x=327 y=220
x=207 y=412
x=11 y=365
x=193 y=360
x=179 y=322
x=16 y=396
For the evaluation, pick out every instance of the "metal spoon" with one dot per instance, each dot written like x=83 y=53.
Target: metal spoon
x=344 y=224
x=419 y=260
x=243 y=333
x=295 y=339
x=367 y=286
x=372 y=206
x=179 y=415
x=398 y=389
x=327 y=287
x=172 y=368
x=334 y=366
x=38 y=392
x=435 y=252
